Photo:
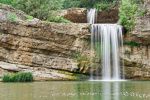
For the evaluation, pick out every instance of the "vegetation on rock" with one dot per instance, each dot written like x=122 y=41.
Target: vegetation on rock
x=18 y=77
x=132 y=43
x=29 y=17
x=127 y=52
x=12 y=17
x=128 y=13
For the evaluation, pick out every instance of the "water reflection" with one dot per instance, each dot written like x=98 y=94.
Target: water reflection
x=130 y=90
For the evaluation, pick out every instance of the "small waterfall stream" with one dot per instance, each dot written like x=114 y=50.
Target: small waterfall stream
x=105 y=42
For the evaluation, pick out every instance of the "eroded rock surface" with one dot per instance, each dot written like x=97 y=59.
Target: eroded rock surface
x=5 y=10
x=79 y=15
x=139 y=56
x=37 y=44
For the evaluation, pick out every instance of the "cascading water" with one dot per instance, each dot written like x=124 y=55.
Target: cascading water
x=105 y=42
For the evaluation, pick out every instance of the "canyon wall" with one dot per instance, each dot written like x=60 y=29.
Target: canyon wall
x=59 y=51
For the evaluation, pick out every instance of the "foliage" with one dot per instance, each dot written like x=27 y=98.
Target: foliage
x=47 y=21
x=12 y=17
x=78 y=57
x=132 y=43
x=142 y=12
x=137 y=1
x=39 y=8
x=58 y=19
x=86 y=3
x=103 y=6
x=9 y=2
x=127 y=52
x=127 y=13
x=29 y=17
x=18 y=77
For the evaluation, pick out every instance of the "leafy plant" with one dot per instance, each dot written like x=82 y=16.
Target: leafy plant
x=29 y=17
x=127 y=13
x=12 y=17
x=18 y=77
x=58 y=19
x=41 y=9
x=103 y=6
x=9 y=2
x=87 y=3
x=142 y=12
x=47 y=21
x=132 y=43
x=127 y=52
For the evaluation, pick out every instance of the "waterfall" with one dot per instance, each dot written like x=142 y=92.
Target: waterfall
x=105 y=42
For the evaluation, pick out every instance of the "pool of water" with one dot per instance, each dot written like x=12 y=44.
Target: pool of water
x=82 y=90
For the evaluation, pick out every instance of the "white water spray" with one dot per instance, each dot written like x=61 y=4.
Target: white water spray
x=105 y=42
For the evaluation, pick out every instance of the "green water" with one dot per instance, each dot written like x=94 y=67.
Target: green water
x=83 y=90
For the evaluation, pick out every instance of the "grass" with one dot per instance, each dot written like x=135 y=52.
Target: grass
x=47 y=21
x=12 y=17
x=127 y=52
x=18 y=77
x=29 y=17
x=78 y=57
x=58 y=19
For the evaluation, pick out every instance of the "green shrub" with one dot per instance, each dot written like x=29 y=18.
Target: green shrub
x=58 y=19
x=9 y=2
x=47 y=21
x=86 y=3
x=127 y=52
x=127 y=13
x=18 y=77
x=6 y=78
x=39 y=8
x=29 y=17
x=12 y=17
x=142 y=12
x=132 y=43
x=103 y=6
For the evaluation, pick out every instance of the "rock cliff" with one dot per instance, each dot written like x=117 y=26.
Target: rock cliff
x=79 y=15
x=58 y=51
x=43 y=49
x=137 y=42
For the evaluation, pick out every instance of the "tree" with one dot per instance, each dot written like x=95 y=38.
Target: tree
x=39 y=8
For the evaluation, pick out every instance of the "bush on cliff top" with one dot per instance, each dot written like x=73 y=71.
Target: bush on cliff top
x=128 y=13
x=18 y=77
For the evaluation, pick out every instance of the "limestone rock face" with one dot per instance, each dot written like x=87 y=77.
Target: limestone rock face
x=139 y=57
x=76 y=15
x=6 y=9
x=79 y=15
x=37 y=44
x=141 y=31
x=108 y=17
